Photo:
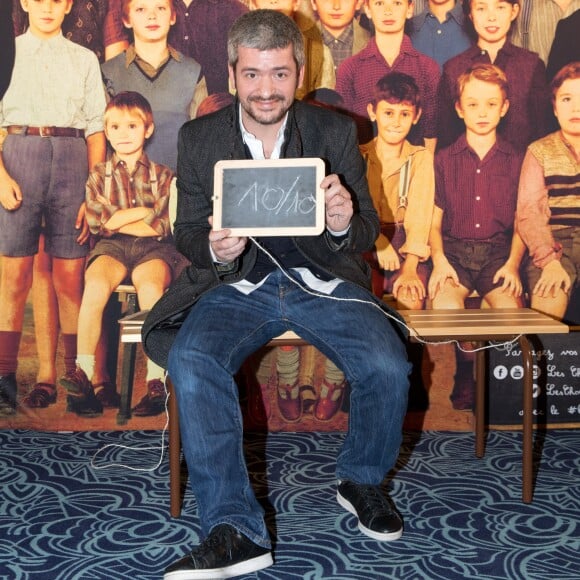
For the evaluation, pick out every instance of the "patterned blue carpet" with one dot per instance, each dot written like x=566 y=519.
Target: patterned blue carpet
x=62 y=519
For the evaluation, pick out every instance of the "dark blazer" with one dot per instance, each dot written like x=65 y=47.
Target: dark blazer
x=310 y=132
x=566 y=45
x=6 y=45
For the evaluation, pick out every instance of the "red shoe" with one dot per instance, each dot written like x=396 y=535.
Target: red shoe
x=289 y=402
x=40 y=396
x=330 y=400
x=81 y=397
x=106 y=393
x=153 y=403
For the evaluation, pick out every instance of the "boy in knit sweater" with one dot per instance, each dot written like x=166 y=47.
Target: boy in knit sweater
x=548 y=210
x=173 y=83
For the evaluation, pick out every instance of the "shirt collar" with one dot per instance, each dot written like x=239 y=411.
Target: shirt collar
x=37 y=43
x=345 y=37
x=461 y=145
x=255 y=145
x=131 y=54
x=116 y=161
x=372 y=50
x=370 y=150
x=508 y=49
x=457 y=13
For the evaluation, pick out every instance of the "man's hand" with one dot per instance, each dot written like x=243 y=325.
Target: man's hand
x=553 y=278
x=225 y=247
x=338 y=204
x=10 y=194
x=82 y=225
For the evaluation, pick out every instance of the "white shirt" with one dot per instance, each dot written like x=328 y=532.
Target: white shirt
x=257 y=150
x=55 y=82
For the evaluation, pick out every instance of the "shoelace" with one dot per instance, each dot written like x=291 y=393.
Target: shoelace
x=220 y=536
x=375 y=501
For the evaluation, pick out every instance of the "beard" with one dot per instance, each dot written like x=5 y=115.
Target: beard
x=270 y=116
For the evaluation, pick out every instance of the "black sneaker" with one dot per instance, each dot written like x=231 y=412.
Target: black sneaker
x=225 y=553
x=376 y=516
x=8 y=390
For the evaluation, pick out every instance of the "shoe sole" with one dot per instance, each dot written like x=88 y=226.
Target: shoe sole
x=379 y=536
x=245 y=567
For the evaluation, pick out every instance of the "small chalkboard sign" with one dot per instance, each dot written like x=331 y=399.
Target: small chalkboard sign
x=273 y=197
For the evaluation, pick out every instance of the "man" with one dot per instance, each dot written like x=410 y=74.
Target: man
x=233 y=299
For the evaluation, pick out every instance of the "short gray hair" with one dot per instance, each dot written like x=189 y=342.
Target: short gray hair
x=265 y=30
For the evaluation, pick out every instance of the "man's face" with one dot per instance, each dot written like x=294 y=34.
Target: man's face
x=150 y=19
x=266 y=81
x=336 y=15
x=287 y=7
x=389 y=16
x=481 y=106
x=46 y=16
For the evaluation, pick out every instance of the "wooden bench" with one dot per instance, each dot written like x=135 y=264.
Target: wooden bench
x=470 y=325
x=480 y=327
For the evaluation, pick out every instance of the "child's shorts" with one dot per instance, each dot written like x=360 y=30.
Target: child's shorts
x=477 y=261
x=52 y=174
x=132 y=251
x=397 y=237
x=569 y=238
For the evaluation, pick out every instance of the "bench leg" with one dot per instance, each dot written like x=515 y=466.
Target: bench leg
x=528 y=420
x=128 y=357
x=479 y=401
x=174 y=454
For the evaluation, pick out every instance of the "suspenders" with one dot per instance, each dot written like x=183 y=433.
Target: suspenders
x=404 y=180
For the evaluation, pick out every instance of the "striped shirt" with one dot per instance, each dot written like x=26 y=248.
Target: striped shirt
x=549 y=195
x=544 y=17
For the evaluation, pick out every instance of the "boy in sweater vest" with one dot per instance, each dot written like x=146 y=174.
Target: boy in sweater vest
x=173 y=83
x=548 y=211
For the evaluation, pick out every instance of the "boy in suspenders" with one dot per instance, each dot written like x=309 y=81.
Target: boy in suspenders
x=127 y=206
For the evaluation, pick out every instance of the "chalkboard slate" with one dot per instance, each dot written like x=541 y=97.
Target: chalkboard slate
x=273 y=197
x=556 y=381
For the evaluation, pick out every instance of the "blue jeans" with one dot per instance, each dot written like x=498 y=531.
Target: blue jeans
x=223 y=329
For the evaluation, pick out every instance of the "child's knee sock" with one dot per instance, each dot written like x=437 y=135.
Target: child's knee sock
x=154 y=371
x=69 y=343
x=87 y=363
x=9 y=346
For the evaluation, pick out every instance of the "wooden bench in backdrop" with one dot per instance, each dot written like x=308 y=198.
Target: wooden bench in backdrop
x=479 y=326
